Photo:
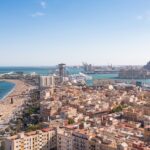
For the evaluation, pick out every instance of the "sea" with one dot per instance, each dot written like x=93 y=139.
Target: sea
x=6 y=87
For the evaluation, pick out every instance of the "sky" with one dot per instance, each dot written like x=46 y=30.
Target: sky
x=100 y=32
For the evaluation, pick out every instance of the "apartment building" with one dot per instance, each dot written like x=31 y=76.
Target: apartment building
x=80 y=140
x=68 y=112
x=47 y=81
x=147 y=133
x=132 y=114
x=49 y=109
x=64 y=139
x=44 y=139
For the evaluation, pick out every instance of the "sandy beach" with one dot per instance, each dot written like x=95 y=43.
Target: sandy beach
x=6 y=108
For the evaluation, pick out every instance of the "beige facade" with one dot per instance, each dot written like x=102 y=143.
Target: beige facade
x=132 y=114
x=38 y=140
x=49 y=109
x=64 y=140
x=69 y=112
x=80 y=141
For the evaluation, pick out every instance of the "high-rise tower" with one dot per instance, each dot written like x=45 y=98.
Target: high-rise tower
x=61 y=71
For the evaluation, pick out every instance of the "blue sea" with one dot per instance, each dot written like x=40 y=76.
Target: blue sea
x=38 y=70
x=6 y=87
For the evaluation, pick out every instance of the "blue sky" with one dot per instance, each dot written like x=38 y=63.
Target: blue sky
x=100 y=32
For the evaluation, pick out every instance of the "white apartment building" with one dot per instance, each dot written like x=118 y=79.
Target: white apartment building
x=47 y=81
x=37 y=140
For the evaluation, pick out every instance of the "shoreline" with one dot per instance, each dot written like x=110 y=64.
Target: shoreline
x=16 y=90
x=8 y=110
x=8 y=93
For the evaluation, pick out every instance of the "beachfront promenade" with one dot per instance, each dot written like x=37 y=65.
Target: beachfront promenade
x=8 y=110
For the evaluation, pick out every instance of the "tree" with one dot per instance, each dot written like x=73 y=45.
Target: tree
x=117 y=109
x=32 y=127
x=70 y=121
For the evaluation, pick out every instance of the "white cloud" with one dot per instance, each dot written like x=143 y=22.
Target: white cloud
x=43 y=4
x=145 y=16
x=38 y=14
